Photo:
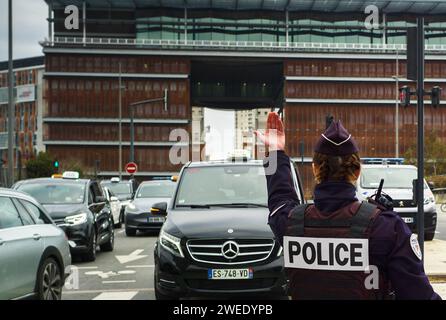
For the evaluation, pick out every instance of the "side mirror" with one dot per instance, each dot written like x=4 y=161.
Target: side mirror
x=159 y=208
x=99 y=199
x=113 y=199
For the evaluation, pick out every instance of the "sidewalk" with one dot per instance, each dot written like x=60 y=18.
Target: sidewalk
x=435 y=265
x=435 y=260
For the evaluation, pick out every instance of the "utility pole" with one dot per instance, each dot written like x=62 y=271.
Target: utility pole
x=420 y=132
x=11 y=104
x=120 y=122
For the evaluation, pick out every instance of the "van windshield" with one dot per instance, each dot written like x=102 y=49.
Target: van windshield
x=394 y=178
x=223 y=185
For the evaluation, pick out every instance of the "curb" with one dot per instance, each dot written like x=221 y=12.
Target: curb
x=437 y=278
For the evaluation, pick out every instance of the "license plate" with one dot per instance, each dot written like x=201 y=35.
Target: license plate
x=408 y=219
x=157 y=219
x=230 y=274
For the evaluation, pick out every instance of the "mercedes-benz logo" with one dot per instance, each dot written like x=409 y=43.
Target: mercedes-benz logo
x=230 y=250
x=401 y=204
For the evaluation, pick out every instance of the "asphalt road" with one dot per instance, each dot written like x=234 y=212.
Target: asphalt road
x=124 y=274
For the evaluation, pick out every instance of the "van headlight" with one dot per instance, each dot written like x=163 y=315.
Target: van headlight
x=76 y=219
x=429 y=200
x=171 y=243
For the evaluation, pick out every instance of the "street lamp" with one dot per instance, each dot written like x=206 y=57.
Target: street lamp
x=397 y=102
x=132 y=115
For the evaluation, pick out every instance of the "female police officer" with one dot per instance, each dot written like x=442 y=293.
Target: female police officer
x=339 y=248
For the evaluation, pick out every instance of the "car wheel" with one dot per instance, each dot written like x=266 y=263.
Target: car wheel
x=90 y=255
x=49 y=281
x=119 y=224
x=130 y=232
x=429 y=236
x=110 y=244
x=158 y=294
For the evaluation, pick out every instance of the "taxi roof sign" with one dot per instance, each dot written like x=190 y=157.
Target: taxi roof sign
x=70 y=175
x=56 y=176
x=115 y=179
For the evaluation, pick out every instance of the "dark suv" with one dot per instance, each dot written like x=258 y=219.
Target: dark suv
x=79 y=207
x=216 y=240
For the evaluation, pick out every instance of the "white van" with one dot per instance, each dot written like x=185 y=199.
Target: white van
x=398 y=184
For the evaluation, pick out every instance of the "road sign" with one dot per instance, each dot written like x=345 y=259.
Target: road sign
x=131 y=168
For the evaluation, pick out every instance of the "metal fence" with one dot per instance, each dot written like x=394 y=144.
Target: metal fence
x=233 y=45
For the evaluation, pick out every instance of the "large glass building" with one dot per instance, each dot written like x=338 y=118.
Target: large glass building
x=313 y=58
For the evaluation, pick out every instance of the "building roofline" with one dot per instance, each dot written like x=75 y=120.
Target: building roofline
x=23 y=63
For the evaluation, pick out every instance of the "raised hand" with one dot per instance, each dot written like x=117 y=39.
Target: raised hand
x=274 y=137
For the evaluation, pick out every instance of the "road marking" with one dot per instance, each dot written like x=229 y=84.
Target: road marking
x=65 y=292
x=121 y=231
x=135 y=255
x=116 y=295
x=86 y=268
x=108 y=274
x=142 y=266
x=118 y=281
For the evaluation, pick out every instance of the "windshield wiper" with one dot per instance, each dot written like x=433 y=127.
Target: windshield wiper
x=240 y=204
x=194 y=206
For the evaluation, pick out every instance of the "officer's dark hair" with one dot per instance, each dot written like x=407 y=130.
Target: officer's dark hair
x=336 y=168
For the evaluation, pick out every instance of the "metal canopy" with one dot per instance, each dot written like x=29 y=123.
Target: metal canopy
x=426 y=7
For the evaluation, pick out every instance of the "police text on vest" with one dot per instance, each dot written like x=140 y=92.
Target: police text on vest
x=339 y=254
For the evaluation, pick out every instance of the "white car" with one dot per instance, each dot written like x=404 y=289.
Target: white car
x=115 y=205
x=398 y=184
x=34 y=252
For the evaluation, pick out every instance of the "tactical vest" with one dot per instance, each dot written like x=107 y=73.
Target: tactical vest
x=353 y=221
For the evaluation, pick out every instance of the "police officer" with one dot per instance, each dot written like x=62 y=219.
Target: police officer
x=339 y=248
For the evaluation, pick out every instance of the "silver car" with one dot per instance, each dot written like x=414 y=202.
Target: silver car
x=34 y=252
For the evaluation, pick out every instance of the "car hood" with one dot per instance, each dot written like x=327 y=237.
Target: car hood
x=59 y=211
x=396 y=194
x=215 y=223
x=144 y=204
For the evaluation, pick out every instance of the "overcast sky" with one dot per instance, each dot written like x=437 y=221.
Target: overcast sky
x=30 y=27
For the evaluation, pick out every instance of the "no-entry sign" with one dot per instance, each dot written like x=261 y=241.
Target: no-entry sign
x=131 y=168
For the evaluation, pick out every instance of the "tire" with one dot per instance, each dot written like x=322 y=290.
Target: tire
x=118 y=225
x=110 y=244
x=429 y=236
x=443 y=207
x=49 y=280
x=130 y=232
x=90 y=255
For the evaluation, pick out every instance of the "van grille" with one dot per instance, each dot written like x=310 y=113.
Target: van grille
x=247 y=250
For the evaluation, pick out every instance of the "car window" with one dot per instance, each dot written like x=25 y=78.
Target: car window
x=51 y=192
x=38 y=215
x=90 y=196
x=9 y=216
x=222 y=185
x=156 y=190
x=24 y=214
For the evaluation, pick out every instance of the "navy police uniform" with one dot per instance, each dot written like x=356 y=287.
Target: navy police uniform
x=392 y=247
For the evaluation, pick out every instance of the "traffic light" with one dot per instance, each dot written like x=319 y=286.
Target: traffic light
x=435 y=96
x=56 y=165
x=404 y=96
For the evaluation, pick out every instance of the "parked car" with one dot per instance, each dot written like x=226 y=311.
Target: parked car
x=216 y=240
x=115 y=206
x=123 y=189
x=34 y=252
x=138 y=213
x=398 y=184
x=79 y=207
